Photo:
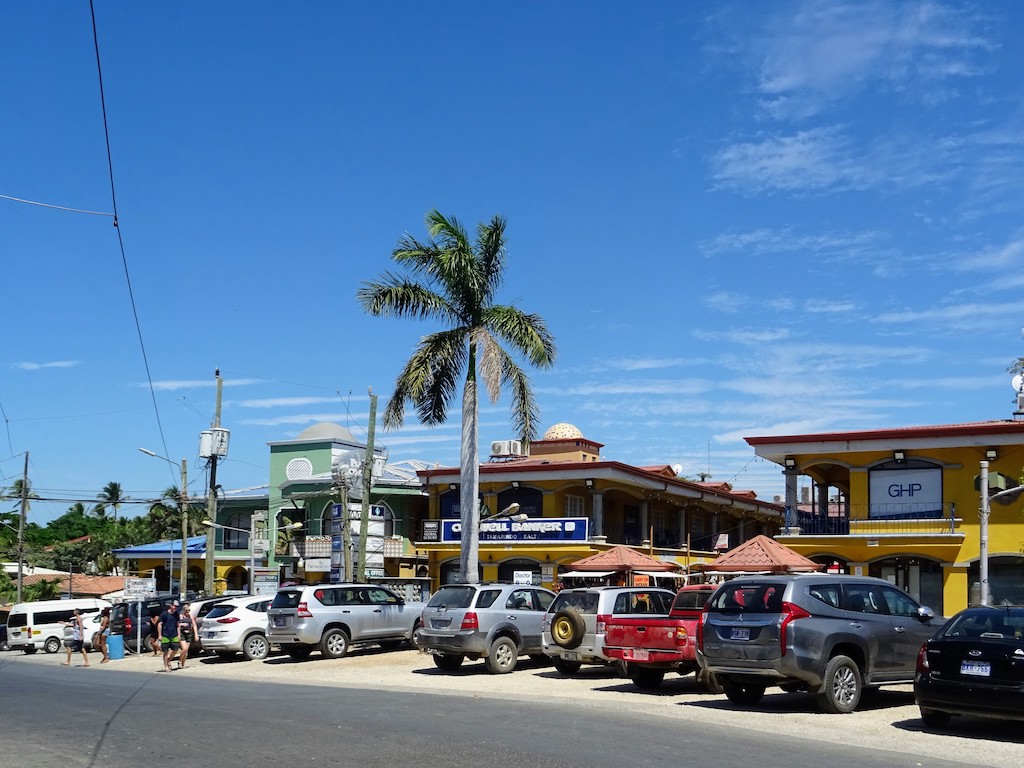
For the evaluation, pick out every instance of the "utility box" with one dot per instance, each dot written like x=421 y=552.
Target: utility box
x=214 y=442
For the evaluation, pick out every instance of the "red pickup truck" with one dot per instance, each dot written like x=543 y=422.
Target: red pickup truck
x=650 y=646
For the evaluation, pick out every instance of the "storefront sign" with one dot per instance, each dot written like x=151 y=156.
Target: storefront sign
x=906 y=493
x=528 y=531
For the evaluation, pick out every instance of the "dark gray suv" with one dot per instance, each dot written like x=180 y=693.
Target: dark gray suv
x=494 y=622
x=831 y=635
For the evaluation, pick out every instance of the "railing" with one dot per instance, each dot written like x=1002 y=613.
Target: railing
x=878 y=519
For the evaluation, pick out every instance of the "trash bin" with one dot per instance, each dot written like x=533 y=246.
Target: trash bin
x=115 y=646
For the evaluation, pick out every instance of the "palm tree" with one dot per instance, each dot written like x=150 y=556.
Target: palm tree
x=112 y=496
x=460 y=279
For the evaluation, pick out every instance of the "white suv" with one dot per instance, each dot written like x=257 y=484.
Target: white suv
x=573 y=627
x=237 y=624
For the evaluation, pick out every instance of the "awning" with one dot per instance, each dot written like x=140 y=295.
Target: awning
x=584 y=574
x=663 y=574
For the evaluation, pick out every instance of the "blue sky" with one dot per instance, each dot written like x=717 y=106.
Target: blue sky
x=737 y=219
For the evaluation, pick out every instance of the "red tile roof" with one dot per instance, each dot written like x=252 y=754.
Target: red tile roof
x=82 y=585
x=761 y=553
x=620 y=558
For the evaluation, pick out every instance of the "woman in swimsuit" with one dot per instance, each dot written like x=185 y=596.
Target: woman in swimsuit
x=186 y=633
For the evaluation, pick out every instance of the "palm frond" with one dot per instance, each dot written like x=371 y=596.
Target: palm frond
x=527 y=334
x=489 y=357
x=525 y=412
x=394 y=296
x=490 y=239
x=429 y=379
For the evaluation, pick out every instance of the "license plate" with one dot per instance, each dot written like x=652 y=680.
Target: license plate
x=977 y=668
x=639 y=654
x=279 y=621
x=209 y=635
x=440 y=623
x=740 y=633
x=570 y=656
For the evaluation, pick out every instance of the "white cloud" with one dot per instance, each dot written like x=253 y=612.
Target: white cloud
x=283 y=402
x=40 y=366
x=171 y=385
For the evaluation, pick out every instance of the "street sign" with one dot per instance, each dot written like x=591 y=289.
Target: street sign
x=135 y=589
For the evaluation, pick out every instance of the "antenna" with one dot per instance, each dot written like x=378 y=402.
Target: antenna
x=1018 y=384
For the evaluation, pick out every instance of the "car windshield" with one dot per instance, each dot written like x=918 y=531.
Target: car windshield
x=585 y=602
x=747 y=597
x=452 y=597
x=987 y=623
x=285 y=598
x=220 y=610
x=692 y=600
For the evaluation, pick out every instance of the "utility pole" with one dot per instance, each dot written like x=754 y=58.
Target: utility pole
x=211 y=502
x=364 y=520
x=21 y=528
x=183 y=504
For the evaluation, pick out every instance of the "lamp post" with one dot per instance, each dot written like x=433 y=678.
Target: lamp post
x=511 y=512
x=252 y=543
x=183 y=506
x=1003 y=497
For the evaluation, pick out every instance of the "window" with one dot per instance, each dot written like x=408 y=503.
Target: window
x=574 y=506
x=864 y=599
x=487 y=597
x=899 y=603
x=520 y=600
x=826 y=593
x=379 y=596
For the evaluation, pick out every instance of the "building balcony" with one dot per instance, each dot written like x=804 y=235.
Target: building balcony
x=876 y=520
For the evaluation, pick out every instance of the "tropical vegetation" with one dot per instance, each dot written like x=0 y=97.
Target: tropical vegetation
x=454 y=281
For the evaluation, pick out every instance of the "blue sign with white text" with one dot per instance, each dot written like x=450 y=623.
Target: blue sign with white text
x=530 y=530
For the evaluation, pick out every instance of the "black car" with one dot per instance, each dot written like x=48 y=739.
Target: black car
x=974 y=665
x=124 y=617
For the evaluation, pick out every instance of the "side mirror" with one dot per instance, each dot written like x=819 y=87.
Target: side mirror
x=925 y=614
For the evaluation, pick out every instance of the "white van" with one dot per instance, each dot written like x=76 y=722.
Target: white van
x=31 y=626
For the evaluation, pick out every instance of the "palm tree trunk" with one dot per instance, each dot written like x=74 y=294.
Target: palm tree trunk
x=469 y=475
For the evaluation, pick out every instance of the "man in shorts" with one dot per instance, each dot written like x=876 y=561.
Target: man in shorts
x=167 y=631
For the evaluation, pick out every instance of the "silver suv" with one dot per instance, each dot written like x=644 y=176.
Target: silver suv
x=573 y=627
x=834 y=636
x=495 y=622
x=333 y=617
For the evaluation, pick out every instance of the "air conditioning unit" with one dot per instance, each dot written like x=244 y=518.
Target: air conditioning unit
x=507 y=448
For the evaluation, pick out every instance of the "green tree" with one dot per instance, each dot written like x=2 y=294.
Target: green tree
x=459 y=280
x=112 y=496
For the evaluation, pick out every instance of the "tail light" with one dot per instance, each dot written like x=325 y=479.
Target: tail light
x=128 y=625
x=602 y=622
x=682 y=636
x=303 y=611
x=227 y=620
x=792 y=613
x=470 y=622
x=922 y=660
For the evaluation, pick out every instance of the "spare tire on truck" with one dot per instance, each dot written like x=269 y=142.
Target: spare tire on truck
x=568 y=628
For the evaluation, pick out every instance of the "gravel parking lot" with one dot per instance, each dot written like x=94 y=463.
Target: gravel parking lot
x=888 y=720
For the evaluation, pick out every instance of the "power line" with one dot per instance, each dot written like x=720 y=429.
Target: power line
x=56 y=207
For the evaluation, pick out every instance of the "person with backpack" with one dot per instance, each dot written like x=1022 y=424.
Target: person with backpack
x=74 y=634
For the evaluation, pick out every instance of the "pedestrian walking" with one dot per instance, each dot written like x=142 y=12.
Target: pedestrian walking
x=76 y=628
x=151 y=636
x=168 y=632
x=103 y=634
x=187 y=632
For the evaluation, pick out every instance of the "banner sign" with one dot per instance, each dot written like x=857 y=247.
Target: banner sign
x=528 y=531
x=905 y=493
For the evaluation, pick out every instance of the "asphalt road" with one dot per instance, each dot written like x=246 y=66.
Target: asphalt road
x=393 y=709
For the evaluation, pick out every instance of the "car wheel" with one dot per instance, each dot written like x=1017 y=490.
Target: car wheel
x=708 y=681
x=843 y=686
x=567 y=667
x=448 y=662
x=255 y=647
x=568 y=628
x=932 y=718
x=52 y=645
x=647 y=679
x=298 y=652
x=742 y=693
x=334 y=643
x=503 y=656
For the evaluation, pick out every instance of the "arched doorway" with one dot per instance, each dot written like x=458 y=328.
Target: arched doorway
x=508 y=570
x=1005 y=580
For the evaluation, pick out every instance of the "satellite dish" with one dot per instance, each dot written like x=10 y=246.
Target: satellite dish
x=1017 y=382
x=678 y=469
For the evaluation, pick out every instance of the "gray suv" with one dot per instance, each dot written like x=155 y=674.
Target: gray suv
x=834 y=636
x=573 y=628
x=495 y=622
x=333 y=617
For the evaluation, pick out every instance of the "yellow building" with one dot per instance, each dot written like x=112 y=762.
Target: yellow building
x=903 y=504
x=577 y=505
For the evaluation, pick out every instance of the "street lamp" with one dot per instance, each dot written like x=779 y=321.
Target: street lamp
x=182 y=504
x=1003 y=497
x=511 y=512
x=252 y=544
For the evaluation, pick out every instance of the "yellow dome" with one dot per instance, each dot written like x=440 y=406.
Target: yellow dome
x=562 y=431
